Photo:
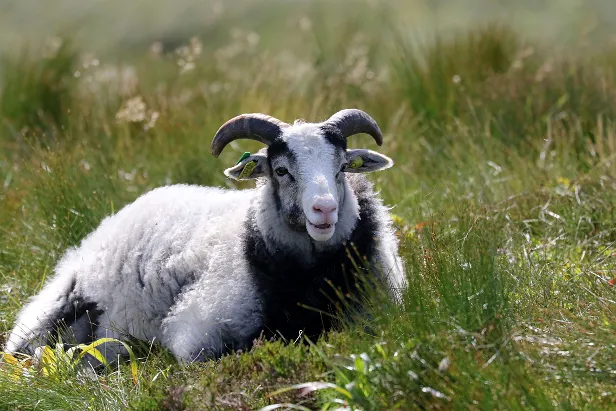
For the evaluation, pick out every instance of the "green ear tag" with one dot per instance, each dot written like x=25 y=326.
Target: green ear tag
x=245 y=155
x=248 y=169
x=356 y=162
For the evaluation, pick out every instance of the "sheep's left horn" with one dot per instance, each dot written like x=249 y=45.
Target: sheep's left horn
x=353 y=121
x=255 y=126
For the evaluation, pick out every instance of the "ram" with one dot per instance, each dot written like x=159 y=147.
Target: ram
x=205 y=270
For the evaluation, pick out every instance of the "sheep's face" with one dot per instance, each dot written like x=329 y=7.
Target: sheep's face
x=306 y=167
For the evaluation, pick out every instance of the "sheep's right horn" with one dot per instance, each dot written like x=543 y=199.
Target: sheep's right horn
x=255 y=126
x=352 y=121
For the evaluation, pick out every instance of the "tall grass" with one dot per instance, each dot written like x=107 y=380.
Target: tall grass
x=503 y=194
x=36 y=91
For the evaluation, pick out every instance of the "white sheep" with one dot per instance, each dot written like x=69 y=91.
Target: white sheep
x=206 y=270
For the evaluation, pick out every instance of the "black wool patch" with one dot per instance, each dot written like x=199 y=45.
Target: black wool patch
x=75 y=314
x=297 y=295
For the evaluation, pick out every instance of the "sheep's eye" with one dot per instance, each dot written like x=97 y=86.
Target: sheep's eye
x=281 y=171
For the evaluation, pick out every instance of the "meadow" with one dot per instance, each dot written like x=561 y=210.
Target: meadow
x=503 y=194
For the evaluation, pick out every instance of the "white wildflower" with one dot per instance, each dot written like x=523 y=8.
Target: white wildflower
x=132 y=111
x=444 y=364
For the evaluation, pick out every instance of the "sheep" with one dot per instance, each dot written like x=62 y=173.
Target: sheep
x=206 y=270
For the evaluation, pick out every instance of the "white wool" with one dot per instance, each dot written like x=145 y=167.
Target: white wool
x=171 y=233
x=185 y=243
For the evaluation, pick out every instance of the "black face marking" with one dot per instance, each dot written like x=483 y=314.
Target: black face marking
x=279 y=147
x=295 y=218
x=277 y=199
x=292 y=213
x=334 y=136
x=288 y=284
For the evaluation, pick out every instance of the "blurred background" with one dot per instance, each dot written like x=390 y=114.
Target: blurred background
x=104 y=25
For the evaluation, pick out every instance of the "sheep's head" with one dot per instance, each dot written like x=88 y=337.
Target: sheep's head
x=305 y=163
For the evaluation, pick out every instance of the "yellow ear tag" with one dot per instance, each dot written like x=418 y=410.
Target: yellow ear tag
x=356 y=162
x=248 y=169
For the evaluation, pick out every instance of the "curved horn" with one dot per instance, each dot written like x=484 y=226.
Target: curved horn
x=255 y=126
x=353 y=121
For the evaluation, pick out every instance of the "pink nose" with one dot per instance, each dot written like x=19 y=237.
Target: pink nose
x=324 y=207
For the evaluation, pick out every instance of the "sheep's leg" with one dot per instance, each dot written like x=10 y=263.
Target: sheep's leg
x=192 y=336
x=202 y=326
x=57 y=311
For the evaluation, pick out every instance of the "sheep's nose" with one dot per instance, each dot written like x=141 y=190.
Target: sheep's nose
x=324 y=206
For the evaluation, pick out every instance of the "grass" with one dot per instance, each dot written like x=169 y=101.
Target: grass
x=503 y=192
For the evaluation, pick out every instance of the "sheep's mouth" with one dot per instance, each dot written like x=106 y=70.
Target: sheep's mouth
x=320 y=232
x=324 y=226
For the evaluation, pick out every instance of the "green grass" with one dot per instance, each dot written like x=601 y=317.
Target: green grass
x=504 y=192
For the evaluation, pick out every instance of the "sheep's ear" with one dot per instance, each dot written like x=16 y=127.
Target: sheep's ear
x=366 y=161
x=250 y=167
